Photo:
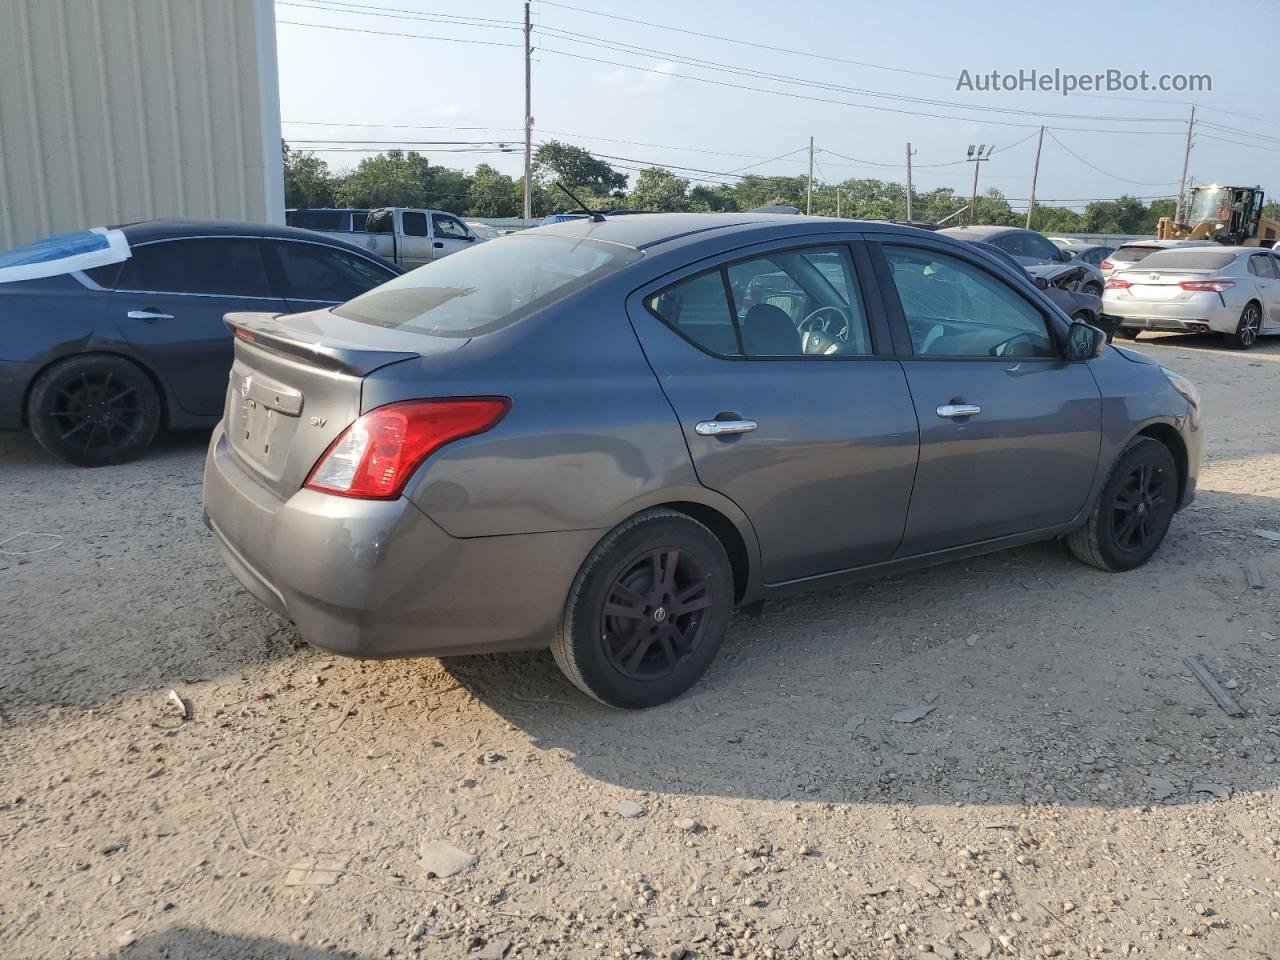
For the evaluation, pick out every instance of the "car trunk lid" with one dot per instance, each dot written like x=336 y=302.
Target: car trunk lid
x=296 y=384
x=1161 y=285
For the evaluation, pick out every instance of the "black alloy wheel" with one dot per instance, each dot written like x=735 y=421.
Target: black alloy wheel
x=94 y=410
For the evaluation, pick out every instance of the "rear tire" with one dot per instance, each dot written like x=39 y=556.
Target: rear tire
x=94 y=410
x=1246 y=334
x=1132 y=513
x=647 y=612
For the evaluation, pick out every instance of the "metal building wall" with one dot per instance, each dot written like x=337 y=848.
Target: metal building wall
x=120 y=110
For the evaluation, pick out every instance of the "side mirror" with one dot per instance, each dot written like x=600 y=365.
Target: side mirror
x=1040 y=282
x=1084 y=341
x=1065 y=256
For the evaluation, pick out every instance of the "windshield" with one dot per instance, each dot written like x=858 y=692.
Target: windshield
x=1213 y=203
x=1203 y=258
x=488 y=286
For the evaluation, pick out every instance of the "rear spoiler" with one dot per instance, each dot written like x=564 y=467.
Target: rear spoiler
x=263 y=330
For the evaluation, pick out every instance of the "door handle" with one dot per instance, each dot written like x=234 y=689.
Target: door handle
x=717 y=428
x=148 y=315
x=954 y=411
x=438 y=245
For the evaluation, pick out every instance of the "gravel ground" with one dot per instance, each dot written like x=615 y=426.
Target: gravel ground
x=1072 y=792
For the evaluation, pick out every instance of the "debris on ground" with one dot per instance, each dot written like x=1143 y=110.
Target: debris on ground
x=1216 y=689
x=314 y=873
x=628 y=809
x=439 y=858
x=912 y=714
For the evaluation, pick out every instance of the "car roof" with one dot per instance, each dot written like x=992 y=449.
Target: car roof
x=979 y=232
x=642 y=231
x=1167 y=243
x=145 y=231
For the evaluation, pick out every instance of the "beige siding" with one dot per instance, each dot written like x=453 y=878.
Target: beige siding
x=121 y=110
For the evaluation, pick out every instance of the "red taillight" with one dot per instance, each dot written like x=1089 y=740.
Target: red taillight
x=1116 y=284
x=243 y=334
x=375 y=456
x=1207 y=286
x=1106 y=265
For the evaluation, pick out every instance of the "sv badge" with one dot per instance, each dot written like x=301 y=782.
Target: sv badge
x=319 y=421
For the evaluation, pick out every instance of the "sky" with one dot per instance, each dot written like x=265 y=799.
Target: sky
x=707 y=88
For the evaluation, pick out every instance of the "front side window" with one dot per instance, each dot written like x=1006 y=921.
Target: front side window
x=311 y=271
x=226 y=266
x=792 y=303
x=956 y=309
x=448 y=227
x=487 y=286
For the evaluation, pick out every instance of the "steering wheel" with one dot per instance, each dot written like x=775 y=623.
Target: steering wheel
x=1019 y=345
x=812 y=324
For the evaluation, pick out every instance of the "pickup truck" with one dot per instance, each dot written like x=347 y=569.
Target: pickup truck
x=406 y=236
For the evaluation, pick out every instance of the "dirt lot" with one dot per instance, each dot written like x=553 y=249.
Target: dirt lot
x=1074 y=792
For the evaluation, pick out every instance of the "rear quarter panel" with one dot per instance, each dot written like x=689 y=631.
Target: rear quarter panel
x=590 y=439
x=42 y=321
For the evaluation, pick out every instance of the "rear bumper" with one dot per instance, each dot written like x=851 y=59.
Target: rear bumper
x=377 y=578
x=1198 y=314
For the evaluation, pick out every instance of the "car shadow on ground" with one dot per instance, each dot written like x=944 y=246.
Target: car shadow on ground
x=1041 y=680
x=198 y=943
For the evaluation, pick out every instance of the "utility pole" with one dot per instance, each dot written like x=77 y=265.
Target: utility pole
x=808 y=193
x=909 y=153
x=976 y=156
x=838 y=203
x=1186 y=157
x=528 y=116
x=1035 y=175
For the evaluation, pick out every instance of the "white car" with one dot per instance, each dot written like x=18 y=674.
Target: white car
x=1128 y=254
x=1234 y=291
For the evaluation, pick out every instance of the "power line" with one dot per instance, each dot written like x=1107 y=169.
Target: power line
x=1239 y=143
x=337 y=6
x=636 y=50
x=387 y=33
x=747 y=43
x=389 y=126
x=1092 y=166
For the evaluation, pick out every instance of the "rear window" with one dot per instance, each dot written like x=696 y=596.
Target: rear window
x=1205 y=258
x=488 y=286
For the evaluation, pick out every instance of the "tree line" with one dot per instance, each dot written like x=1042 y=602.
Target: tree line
x=407 y=179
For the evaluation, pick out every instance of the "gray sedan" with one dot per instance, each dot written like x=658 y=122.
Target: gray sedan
x=1234 y=291
x=602 y=436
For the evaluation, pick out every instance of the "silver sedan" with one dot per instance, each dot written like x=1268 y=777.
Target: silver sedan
x=1234 y=291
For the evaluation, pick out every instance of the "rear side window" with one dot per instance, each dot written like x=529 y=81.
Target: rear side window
x=1262 y=265
x=699 y=309
x=791 y=303
x=312 y=271
x=227 y=266
x=488 y=286
x=414 y=224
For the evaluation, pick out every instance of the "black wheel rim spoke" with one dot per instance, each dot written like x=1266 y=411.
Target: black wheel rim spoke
x=97 y=412
x=654 y=614
x=1137 y=501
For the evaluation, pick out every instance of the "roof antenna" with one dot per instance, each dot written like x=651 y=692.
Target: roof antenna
x=592 y=215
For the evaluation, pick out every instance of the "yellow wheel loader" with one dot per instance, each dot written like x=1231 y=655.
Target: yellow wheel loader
x=1229 y=215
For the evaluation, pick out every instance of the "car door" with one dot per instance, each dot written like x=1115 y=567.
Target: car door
x=449 y=235
x=169 y=301
x=415 y=247
x=309 y=275
x=1262 y=271
x=1009 y=431
x=813 y=437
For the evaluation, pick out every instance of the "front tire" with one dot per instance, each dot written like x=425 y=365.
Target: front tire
x=647 y=612
x=1132 y=513
x=1246 y=334
x=94 y=410
x=1128 y=333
